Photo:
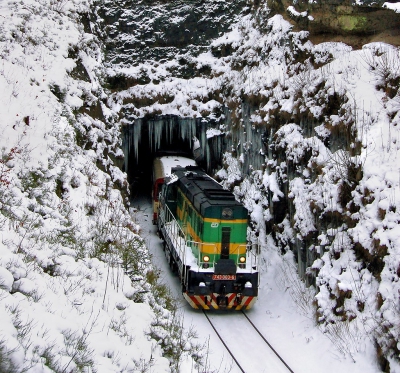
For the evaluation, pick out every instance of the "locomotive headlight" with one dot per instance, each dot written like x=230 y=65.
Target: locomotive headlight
x=242 y=259
x=206 y=260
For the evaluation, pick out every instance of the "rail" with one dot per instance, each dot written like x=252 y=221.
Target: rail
x=223 y=342
x=258 y=332
x=269 y=345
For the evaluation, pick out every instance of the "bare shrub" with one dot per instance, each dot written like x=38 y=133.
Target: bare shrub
x=79 y=352
x=6 y=362
x=175 y=341
x=347 y=170
x=346 y=336
x=118 y=325
x=58 y=5
x=302 y=296
x=385 y=64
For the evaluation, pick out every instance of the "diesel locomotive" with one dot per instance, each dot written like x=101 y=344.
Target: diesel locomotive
x=204 y=230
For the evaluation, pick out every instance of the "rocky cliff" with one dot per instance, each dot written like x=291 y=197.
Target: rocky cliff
x=310 y=133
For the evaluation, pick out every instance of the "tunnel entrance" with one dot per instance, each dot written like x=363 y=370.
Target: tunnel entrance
x=146 y=138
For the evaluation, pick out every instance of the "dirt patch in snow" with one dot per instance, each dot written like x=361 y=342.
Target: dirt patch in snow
x=356 y=41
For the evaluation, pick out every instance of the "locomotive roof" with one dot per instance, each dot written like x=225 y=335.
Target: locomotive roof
x=162 y=166
x=205 y=193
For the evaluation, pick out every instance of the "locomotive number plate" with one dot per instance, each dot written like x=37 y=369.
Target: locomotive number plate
x=224 y=277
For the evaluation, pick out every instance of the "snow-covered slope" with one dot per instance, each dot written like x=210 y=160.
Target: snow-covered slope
x=312 y=135
x=327 y=186
x=67 y=241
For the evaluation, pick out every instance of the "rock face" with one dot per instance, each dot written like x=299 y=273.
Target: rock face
x=289 y=117
x=146 y=30
x=341 y=17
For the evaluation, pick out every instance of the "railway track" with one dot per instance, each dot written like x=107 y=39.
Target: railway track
x=252 y=354
x=246 y=346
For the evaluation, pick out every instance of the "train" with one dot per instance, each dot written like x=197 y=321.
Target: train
x=162 y=169
x=204 y=233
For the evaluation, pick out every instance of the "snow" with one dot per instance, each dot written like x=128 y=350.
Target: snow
x=63 y=221
x=288 y=326
x=169 y=162
x=66 y=302
x=6 y=279
x=186 y=256
x=293 y=12
x=393 y=6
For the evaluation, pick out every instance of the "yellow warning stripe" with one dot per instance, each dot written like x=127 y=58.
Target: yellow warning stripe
x=220 y=221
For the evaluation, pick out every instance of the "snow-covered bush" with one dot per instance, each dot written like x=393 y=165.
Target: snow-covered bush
x=328 y=181
x=77 y=288
x=312 y=134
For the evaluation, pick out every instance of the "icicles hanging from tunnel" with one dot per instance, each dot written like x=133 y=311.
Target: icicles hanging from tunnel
x=174 y=133
x=186 y=128
x=131 y=135
x=171 y=133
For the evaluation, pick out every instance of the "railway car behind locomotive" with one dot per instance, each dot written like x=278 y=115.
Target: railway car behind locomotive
x=162 y=168
x=204 y=231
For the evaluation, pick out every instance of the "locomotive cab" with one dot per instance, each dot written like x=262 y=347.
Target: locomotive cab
x=205 y=234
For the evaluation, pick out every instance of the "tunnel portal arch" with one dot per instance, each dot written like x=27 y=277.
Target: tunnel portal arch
x=145 y=138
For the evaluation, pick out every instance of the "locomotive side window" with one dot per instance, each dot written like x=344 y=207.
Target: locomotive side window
x=171 y=193
x=161 y=190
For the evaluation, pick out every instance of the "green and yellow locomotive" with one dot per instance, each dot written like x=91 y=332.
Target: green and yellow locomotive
x=204 y=230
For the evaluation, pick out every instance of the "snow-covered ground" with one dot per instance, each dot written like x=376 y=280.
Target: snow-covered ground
x=289 y=328
x=67 y=240
x=394 y=6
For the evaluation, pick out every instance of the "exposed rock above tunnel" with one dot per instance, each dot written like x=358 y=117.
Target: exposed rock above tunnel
x=342 y=20
x=299 y=122
x=145 y=30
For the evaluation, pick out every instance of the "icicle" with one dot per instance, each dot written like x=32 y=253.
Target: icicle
x=182 y=128
x=208 y=156
x=125 y=146
x=130 y=136
x=150 y=125
x=186 y=127
x=191 y=129
x=204 y=142
x=137 y=130
x=197 y=151
x=158 y=131
x=170 y=130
